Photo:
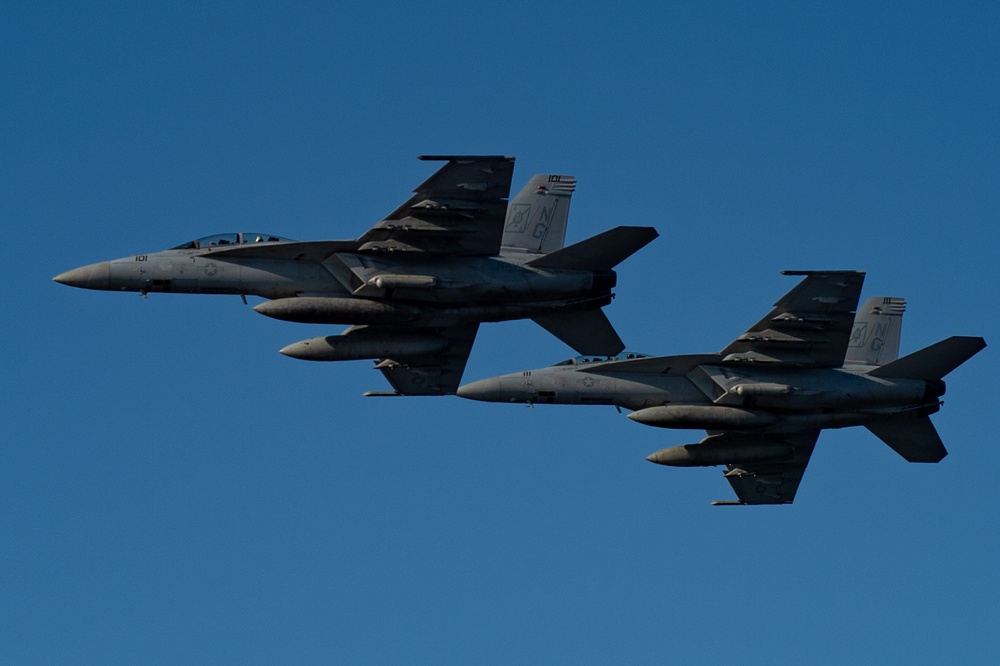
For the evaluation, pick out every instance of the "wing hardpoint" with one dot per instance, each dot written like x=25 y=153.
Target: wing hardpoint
x=810 y=326
x=770 y=482
x=459 y=210
x=432 y=374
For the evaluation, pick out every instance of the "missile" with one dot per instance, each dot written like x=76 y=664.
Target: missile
x=336 y=310
x=720 y=453
x=365 y=345
x=702 y=417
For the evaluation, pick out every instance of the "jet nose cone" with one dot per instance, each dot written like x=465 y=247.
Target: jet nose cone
x=94 y=276
x=487 y=390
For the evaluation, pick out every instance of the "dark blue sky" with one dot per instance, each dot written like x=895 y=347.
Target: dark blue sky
x=174 y=490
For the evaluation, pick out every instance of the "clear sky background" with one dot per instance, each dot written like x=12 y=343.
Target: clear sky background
x=172 y=490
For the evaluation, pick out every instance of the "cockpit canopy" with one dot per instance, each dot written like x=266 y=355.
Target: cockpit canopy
x=235 y=238
x=583 y=360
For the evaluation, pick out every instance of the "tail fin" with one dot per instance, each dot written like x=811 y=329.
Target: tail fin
x=877 y=326
x=601 y=252
x=587 y=331
x=537 y=216
x=934 y=362
x=912 y=437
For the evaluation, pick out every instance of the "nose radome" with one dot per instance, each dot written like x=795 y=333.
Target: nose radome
x=94 y=276
x=485 y=389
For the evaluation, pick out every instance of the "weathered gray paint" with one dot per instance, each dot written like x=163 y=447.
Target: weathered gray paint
x=765 y=398
x=450 y=257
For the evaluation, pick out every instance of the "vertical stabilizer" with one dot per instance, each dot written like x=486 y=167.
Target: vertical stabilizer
x=537 y=216
x=877 y=327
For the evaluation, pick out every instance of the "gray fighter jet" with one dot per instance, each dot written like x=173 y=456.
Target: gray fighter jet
x=809 y=364
x=416 y=286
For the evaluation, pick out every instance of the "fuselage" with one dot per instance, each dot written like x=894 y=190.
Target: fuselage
x=188 y=272
x=712 y=396
x=341 y=285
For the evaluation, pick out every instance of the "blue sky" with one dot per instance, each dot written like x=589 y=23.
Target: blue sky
x=174 y=490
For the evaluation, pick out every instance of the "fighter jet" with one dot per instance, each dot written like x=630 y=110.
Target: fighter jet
x=809 y=364
x=416 y=286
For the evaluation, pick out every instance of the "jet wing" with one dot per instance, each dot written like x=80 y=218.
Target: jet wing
x=432 y=374
x=769 y=482
x=460 y=210
x=810 y=326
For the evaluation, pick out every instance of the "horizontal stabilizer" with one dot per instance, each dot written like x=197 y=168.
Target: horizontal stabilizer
x=934 y=362
x=601 y=252
x=913 y=437
x=587 y=331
